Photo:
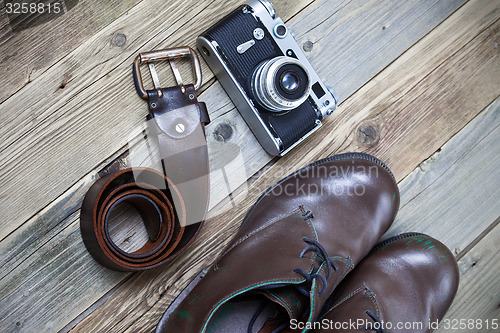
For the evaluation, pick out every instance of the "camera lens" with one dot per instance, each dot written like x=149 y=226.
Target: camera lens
x=281 y=84
x=289 y=82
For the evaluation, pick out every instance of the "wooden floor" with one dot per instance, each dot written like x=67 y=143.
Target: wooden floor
x=419 y=84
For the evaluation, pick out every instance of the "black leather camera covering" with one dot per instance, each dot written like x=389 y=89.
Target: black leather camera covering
x=236 y=29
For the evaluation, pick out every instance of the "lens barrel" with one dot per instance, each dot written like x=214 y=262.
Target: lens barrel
x=281 y=84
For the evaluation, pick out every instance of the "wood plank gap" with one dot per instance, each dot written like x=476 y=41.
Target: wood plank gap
x=454 y=185
x=301 y=10
x=478 y=239
x=405 y=51
x=94 y=306
x=479 y=288
x=455 y=162
x=23 y=42
x=216 y=233
x=70 y=50
x=221 y=235
x=110 y=164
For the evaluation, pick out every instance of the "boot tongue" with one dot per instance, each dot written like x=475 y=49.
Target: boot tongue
x=292 y=300
x=295 y=302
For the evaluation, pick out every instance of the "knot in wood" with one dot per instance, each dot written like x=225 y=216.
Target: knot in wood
x=223 y=132
x=120 y=39
x=367 y=134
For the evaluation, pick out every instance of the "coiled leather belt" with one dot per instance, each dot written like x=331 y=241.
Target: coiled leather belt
x=172 y=205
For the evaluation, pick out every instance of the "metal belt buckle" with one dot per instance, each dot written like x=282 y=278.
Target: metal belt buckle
x=170 y=55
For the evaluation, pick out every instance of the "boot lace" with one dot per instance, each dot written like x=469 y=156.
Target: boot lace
x=315 y=246
x=376 y=319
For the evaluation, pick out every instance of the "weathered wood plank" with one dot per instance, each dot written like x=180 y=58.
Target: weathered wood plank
x=378 y=33
x=479 y=290
x=75 y=127
x=98 y=72
x=31 y=43
x=142 y=312
x=458 y=185
x=198 y=251
x=50 y=289
x=33 y=235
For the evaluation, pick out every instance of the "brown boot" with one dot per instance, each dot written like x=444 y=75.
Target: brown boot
x=405 y=284
x=293 y=248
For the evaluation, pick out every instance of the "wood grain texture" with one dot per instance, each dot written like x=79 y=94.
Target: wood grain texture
x=30 y=44
x=37 y=240
x=91 y=108
x=478 y=296
x=132 y=312
x=149 y=293
x=93 y=114
x=467 y=153
x=408 y=104
x=353 y=42
x=38 y=269
x=456 y=191
x=44 y=291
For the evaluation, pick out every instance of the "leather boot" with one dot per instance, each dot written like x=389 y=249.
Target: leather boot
x=292 y=249
x=405 y=284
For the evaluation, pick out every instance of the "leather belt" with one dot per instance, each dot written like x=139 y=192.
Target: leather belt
x=172 y=205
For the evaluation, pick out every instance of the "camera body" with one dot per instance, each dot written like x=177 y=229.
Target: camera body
x=267 y=76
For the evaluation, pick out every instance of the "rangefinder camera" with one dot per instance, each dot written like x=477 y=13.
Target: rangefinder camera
x=267 y=76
